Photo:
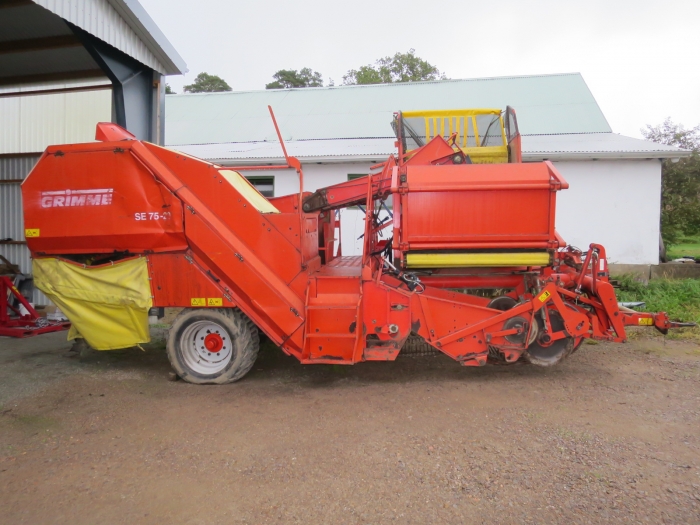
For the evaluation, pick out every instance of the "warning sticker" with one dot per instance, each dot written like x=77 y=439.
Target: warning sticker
x=545 y=295
x=31 y=232
x=208 y=301
x=645 y=321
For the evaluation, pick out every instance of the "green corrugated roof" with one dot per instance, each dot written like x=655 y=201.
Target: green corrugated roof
x=545 y=104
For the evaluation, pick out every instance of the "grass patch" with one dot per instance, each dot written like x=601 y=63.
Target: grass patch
x=686 y=246
x=679 y=298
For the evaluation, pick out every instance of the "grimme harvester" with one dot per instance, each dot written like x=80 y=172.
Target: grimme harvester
x=121 y=225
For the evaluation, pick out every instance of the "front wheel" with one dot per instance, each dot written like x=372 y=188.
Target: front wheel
x=212 y=346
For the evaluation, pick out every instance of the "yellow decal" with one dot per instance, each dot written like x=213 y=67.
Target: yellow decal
x=215 y=301
x=31 y=232
x=645 y=321
x=198 y=301
x=545 y=295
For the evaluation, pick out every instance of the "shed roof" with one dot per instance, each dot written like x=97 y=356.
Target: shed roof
x=557 y=116
x=595 y=146
x=559 y=103
x=125 y=25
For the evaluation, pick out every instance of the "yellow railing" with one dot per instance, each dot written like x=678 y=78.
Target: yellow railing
x=465 y=123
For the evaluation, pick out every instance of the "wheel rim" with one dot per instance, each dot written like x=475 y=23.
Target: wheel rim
x=207 y=347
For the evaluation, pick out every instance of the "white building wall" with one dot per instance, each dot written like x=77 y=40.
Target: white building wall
x=613 y=203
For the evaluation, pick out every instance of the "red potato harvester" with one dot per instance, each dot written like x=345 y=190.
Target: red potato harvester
x=121 y=225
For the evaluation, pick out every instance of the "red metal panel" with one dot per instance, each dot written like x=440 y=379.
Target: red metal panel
x=193 y=284
x=102 y=199
x=478 y=176
x=478 y=206
x=253 y=284
x=387 y=313
x=279 y=250
x=477 y=217
x=332 y=321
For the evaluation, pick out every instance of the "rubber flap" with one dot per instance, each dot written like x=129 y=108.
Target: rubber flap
x=107 y=305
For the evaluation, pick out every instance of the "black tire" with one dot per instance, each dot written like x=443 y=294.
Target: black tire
x=191 y=360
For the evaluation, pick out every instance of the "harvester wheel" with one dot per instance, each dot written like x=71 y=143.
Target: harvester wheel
x=550 y=355
x=212 y=346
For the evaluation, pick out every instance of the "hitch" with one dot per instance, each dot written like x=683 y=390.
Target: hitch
x=658 y=320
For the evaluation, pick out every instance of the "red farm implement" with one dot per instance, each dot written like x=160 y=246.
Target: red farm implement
x=18 y=318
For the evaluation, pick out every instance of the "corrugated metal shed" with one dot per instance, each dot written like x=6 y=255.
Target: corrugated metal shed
x=31 y=123
x=12 y=170
x=125 y=25
x=545 y=104
x=53 y=85
x=45 y=48
x=16 y=167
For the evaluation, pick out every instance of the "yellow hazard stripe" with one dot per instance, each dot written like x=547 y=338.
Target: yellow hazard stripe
x=451 y=260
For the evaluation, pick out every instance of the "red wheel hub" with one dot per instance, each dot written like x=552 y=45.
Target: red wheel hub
x=213 y=343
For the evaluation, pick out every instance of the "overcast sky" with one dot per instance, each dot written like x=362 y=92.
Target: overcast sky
x=639 y=58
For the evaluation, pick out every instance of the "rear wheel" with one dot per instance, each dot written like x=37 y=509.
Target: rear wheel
x=212 y=346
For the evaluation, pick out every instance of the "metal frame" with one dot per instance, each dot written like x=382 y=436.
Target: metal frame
x=15 y=324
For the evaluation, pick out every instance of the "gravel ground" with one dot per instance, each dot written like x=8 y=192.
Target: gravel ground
x=609 y=436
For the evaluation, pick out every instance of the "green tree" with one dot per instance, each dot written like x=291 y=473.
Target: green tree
x=402 y=67
x=680 y=187
x=291 y=78
x=169 y=90
x=206 y=83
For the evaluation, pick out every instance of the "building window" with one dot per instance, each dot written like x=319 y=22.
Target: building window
x=265 y=185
